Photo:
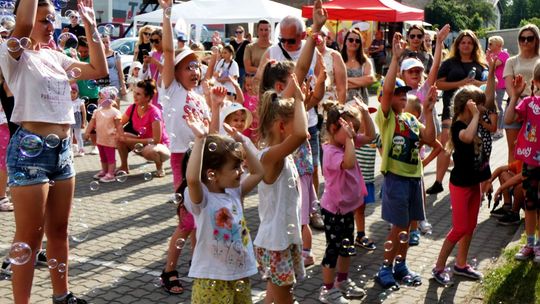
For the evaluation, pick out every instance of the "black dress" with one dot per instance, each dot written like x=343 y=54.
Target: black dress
x=141 y=47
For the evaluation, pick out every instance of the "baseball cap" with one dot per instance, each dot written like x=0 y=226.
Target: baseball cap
x=181 y=37
x=233 y=107
x=410 y=63
x=400 y=87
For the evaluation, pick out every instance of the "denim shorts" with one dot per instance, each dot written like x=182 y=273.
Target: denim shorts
x=43 y=164
x=315 y=144
x=402 y=200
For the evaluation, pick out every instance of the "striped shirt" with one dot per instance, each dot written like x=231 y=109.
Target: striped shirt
x=366 y=158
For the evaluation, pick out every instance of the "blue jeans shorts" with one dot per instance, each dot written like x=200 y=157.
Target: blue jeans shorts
x=402 y=200
x=43 y=164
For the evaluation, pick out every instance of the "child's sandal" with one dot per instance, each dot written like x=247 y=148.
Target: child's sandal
x=172 y=286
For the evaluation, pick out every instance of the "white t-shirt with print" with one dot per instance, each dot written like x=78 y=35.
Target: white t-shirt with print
x=279 y=209
x=39 y=78
x=231 y=69
x=224 y=250
x=175 y=103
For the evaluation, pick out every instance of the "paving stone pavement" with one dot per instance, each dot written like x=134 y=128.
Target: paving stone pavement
x=123 y=231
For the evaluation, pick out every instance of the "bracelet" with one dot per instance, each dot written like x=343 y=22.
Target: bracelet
x=315 y=35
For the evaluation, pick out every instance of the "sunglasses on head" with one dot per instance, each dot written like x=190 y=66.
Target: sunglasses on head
x=351 y=40
x=522 y=39
x=287 y=40
x=419 y=36
x=155 y=41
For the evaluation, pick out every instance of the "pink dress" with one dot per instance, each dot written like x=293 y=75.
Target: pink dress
x=250 y=103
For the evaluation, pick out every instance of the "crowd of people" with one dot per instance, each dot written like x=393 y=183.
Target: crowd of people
x=273 y=117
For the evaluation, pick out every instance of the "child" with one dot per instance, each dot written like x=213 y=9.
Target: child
x=134 y=75
x=251 y=101
x=412 y=73
x=465 y=179
x=106 y=123
x=223 y=257
x=510 y=179
x=401 y=134
x=79 y=111
x=344 y=193
x=527 y=141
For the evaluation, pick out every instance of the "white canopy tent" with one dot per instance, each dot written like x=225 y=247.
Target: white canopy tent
x=199 y=12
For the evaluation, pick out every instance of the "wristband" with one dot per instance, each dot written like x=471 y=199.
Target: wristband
x=315 y=35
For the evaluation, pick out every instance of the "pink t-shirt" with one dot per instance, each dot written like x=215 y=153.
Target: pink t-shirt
x=143 y=125
x=345 y=189
x=502 y=56
x=105 y=126
x=528 y=143
x=250 y=103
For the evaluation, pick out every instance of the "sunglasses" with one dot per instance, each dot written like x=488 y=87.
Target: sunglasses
x=419 y=36
x=239 y=32
x=287 y=40
x=194 y=65
x=147 y=34
x=529 y=39
x=351 y=40
x=155 y=41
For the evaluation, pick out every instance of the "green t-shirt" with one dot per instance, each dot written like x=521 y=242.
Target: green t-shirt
x=91 y=92
x=400 y=135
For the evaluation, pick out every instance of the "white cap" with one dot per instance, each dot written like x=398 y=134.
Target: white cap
x=182 y=55
x=410 y=63
x=233 y=107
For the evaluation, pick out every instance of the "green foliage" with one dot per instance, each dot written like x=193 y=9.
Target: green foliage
x=515 y=11
x=460 y=14
x=533 y=20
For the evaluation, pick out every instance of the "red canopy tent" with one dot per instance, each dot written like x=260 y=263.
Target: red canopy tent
x=373 y=10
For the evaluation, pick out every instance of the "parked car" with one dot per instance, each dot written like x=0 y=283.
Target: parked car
x=126 y=48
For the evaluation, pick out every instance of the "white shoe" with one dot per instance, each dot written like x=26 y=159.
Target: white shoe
x=348 y=288
x=94 y=151
x=425 y=227
x=332 y=296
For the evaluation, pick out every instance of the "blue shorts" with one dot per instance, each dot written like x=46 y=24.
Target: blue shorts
x=315 y=144
x=41 y=164
x=402 y=200
x=370 y=197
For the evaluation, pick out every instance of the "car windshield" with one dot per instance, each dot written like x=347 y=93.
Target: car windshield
x=125 y=46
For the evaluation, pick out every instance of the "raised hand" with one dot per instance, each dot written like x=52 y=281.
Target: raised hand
x=442 y=34
x=347 y=127
x=293 y=88
x=519 y=85
x=319 y=15
x=197 y=124
x=233 y=132
x=472 y=107
x=398 y=45
x=165 y=3
x=431 y=98
x=359 y=104
x=218 y=95
x=86 y=11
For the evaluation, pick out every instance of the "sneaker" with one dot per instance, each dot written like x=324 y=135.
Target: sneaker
x=108 y=178
x=436 y=188
x=41 y=258
x=99 y=175
x=349 y=289
x=469 y=272
x=498 y=134
x=501 y=211
x=385 y=278
x=332 y=296
x=536 y=254
x=425 y=227
x=81 y=152
x=308 y=260
x=71 y=299
x=414 y=238
x=6 y=268
x=442 y=277
x=407 y=277
x=511 y=218
x=316 y=221
x=365 y=242
x=94 y=151
x=526 y=252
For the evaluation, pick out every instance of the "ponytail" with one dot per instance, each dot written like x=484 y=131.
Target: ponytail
x=271 y=107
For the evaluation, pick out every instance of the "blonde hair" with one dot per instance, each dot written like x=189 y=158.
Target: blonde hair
x=536 y=32
x=414 y=102
x=477 y=53
x=459 y=100
x=536 y=77
x=496 y=39
x=271 y=108
x=141 y=34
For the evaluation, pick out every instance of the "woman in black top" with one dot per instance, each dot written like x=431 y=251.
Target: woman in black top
x=239 y=44
x=143 y=44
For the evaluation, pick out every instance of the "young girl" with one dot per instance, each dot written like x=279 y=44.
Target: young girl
x=344 y=193
x=106 y=122
x=251 y=101
x=135 y=75
x=79 y=111
x=226 y=68
x=465 y=180
x=223 y=257
x=527 y=150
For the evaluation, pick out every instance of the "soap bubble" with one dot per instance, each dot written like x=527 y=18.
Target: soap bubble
x=388 y=246
x=291 y=182
x=62 y=3
x=96 y=37
x=138 y=147
x=19 y=177
x=62 y=267
x=74 y=73
x=124 y=50
x=403 y=237
x=177 y=198
x=92 y=84
x=345 y=243
x=79 y=232
x=109 y=28
x=31 y=145
x=291 y=228
x=240 y=285
x=212 y=147
x=52 y=263
x=20 y=253
x=180 y=243
x=52 y=141
x=121 y=176
x=168 y=12
x=91 y=108
x=148 y=176
x=25 y=43
x=66 y=41
x=52 y=183
x=94 y=185
x=13 y=45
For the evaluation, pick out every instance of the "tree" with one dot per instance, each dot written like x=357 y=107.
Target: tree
x=460 y=14
x=533 y=20
x=517 y=10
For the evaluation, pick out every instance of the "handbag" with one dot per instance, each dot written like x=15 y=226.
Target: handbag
x=128 y=127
